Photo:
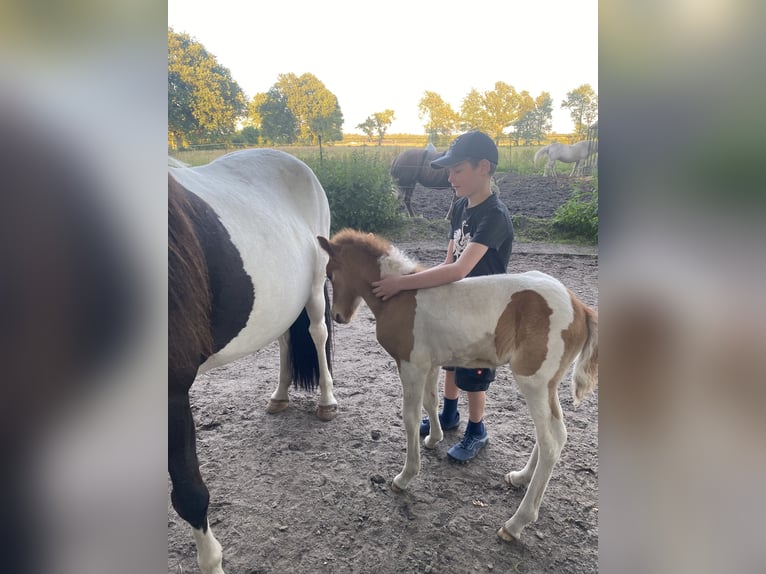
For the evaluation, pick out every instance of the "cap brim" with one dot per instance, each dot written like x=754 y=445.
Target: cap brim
x=446 y=160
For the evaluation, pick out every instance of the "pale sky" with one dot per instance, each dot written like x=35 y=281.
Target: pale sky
x=377 y=56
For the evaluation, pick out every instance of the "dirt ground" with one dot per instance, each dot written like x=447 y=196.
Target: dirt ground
x=292 y=494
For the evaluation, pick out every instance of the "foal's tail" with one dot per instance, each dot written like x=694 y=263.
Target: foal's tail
x=585 y=375
x=303 y=356
x=540 y=153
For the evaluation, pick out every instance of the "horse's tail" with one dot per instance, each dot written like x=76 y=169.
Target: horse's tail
x=541 y=152
x=585 y=375
x=303 y=356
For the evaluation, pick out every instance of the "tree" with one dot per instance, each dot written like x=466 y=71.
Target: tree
x=473 y=114
x=582 y=103
x=441 y=119
x=377 y=124
x=535 y=123
x=502 y=107
x=204 y=101
x=314 y=107
x=278 y=124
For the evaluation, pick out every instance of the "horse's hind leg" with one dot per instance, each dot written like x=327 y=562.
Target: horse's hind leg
x=551 y=436
x=317 y=311
x=574 y=169
x=280 y=398
x=408 y=190
x=190 y=496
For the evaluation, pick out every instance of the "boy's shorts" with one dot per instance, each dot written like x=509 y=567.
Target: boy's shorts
x=472 y=380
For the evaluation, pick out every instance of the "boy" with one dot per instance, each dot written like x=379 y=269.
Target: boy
x=481 y=235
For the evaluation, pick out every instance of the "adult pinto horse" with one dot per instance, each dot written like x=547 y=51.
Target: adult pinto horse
x=529 y=320
x=575 y=153
x=413 y=166
x=244 y=269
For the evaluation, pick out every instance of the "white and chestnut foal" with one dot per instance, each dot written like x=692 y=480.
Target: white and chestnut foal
x=529 y=320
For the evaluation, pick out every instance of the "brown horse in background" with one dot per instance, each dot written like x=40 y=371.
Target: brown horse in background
x=414 y=166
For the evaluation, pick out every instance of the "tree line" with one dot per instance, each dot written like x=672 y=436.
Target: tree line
x=206 y=105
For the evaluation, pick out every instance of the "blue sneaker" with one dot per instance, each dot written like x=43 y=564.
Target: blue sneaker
x=425 y=424
x=469 y=447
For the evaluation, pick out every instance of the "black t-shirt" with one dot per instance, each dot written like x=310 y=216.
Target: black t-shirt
x=488 y=223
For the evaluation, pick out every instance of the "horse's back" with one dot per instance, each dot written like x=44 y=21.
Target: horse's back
x=259 y=183
x=477 y=305
x=272 y=207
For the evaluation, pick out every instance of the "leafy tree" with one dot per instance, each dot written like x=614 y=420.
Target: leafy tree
x=248 y=135
x=582 y=103
x=368 y=128
x=535 y=123
x=278 y=125
x=377 y=124
x=314 y=107
x=441 y=119
x=502 y=107
x=204 y=101
x=253 y=115
x=473 y=114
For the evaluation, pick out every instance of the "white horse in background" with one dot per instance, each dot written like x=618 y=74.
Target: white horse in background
x=575 y=153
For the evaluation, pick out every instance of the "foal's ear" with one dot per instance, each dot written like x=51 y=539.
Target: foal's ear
x=325 y=244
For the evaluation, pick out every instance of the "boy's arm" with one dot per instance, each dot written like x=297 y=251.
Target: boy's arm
x=442 y=274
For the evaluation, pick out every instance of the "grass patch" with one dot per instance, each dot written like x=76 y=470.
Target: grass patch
x=417 y=229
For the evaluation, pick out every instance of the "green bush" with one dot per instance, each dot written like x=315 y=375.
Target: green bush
x=578 y=217
x=359 y=190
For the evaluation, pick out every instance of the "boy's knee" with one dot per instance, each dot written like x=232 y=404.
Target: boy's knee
x=473 y=380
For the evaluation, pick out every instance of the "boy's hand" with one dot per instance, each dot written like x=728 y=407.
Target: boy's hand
x=387 y=287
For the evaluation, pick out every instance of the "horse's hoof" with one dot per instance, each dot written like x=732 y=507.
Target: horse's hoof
x=508 y=478
x=507 y=536
x=276 y=406
x=327 y=412
x=396 y=488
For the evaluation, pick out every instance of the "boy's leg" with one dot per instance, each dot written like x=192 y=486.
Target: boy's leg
x=475 y=383
x=476 y=401
x=451 y=390
x=449 y=416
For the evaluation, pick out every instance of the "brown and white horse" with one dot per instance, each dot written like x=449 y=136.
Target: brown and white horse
x=529 y=320
x=244 y=269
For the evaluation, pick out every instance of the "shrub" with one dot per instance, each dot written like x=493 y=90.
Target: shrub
x=578 y=217
x=359 y=190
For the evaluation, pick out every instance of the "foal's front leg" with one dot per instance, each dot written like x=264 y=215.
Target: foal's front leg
x=413 y=381
x=431 y=404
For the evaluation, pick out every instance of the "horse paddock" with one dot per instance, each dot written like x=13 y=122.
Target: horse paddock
x=290 y=493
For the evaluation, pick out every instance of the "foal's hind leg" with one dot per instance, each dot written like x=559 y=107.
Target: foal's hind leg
x=551 y=436
x=190 y=496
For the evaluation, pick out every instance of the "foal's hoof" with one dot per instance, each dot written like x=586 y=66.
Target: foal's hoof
x=505 y=535
x=276 y=406
x=396 y=488
x=327 y=412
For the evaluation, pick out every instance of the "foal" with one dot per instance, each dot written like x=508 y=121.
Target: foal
x=529 y=320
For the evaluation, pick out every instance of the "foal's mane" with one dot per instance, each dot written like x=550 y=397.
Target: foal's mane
x=392 y=261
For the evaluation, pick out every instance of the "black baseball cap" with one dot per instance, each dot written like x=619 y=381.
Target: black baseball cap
x=474 y=145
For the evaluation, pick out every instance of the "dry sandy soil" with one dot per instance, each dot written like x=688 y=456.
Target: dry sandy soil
x=292 y=494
